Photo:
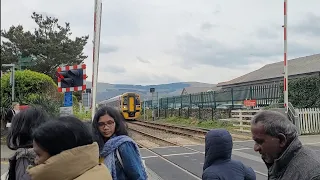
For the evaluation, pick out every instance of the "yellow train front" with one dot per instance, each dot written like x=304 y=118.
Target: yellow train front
x=129 y=104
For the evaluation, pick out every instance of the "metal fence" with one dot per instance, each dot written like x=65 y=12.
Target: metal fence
x=264 y=95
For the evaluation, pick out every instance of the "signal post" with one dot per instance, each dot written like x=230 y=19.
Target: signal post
x=70 y=79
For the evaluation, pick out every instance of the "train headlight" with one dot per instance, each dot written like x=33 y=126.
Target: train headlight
x=125 y=107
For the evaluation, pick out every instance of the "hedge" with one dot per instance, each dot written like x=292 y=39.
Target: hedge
x=31 y=88
x=304 y=92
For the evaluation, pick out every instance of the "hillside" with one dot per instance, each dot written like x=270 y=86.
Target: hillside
x=106 y=90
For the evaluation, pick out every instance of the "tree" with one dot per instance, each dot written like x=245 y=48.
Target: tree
x=49 y=44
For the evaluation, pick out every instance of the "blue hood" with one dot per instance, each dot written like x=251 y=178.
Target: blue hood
x=218 y=147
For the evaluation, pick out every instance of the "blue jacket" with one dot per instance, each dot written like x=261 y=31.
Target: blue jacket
x=129 y=152
x=218 y=163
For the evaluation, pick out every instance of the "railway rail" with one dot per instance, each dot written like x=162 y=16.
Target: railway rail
x=161 y=156
x=197 y=135
x=174 y=144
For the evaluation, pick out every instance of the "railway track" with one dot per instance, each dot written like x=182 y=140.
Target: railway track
x=197 y=135
x=161 y=156
x=174 y=144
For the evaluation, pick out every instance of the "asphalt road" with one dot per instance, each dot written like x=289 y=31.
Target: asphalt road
x=187 y=164
x=180 y=163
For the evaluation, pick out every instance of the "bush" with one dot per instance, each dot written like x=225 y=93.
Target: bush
x=304 y=92
x=31 y=88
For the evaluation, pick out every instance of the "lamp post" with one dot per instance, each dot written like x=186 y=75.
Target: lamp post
x=12 y=81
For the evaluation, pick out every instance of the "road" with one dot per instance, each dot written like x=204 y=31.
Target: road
x=180 y=163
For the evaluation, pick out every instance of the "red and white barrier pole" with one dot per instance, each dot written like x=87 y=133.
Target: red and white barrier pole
x=285 y=80
x=96 y=48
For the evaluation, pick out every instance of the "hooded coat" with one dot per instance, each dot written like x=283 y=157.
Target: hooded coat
x=218 y=163
x=80 y=163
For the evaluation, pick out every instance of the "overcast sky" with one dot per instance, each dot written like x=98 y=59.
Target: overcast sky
x=163 y=41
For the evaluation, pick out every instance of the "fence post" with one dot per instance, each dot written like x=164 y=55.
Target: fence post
x=232 y=98
x=180 y=109
x=190 y=105
x=212 y=113
x=200 y=107
x=214 y=100
x=167 y=107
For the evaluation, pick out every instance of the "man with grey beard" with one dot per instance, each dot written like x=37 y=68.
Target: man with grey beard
x=276 y=139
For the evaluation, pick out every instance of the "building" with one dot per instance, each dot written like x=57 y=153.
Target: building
x=273 y=73
x=194 y=90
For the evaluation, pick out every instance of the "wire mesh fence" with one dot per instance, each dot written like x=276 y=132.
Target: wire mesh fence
x=234 y=97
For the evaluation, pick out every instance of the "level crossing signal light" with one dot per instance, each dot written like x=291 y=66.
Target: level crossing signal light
x=71 y=78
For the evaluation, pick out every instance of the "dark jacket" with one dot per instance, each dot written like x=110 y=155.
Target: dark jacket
x=218 y=163
x=21 y=160
x=295 y=163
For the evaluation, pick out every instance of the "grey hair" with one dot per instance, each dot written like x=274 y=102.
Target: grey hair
x=274 y=123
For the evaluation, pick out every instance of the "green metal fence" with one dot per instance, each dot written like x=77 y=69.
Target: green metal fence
x=264 y=95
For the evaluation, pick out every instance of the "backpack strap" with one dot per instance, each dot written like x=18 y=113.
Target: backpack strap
x=119 y=157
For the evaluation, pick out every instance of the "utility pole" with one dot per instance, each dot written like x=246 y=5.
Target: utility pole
x=12 y=79
x=96 y=48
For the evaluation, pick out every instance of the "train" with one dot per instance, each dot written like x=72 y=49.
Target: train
x=129 y=104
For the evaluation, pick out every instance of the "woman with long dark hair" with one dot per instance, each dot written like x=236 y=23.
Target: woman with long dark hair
x=117 y=150
x=65 y=150
x=20 y=140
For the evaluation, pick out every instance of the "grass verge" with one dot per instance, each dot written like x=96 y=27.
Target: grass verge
x=207 y=124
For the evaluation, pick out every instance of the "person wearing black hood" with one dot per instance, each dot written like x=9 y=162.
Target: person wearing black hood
x=218 y=163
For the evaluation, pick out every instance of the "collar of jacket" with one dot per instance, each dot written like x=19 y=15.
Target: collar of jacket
x=68 y=164
x=283 y=161
x=25 y=153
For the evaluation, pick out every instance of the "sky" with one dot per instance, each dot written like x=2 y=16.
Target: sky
x=164 y=41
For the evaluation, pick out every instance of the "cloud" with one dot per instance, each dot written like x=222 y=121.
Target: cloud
x=182 y=40
x=310 y=25
x=113 y=69
x=140 y=59
x=104 y=48
x=207 y=26
x=264 y=44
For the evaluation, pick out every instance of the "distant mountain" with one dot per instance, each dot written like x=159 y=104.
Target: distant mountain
x=106 y=90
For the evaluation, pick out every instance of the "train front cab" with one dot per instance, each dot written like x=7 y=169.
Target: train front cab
x=131 y=106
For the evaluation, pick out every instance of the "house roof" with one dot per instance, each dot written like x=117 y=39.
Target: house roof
x=193 y=90
x=301 y=65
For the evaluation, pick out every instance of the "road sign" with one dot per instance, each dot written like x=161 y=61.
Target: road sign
x=71 y=78
x=250 y=103
x=66 y=111
x=67 y=99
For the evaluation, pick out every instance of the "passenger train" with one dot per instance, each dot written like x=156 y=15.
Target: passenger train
x=129 y=104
